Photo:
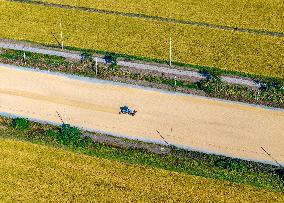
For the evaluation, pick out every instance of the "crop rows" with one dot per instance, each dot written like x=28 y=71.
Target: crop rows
x=45 y=173
x=256 y=14
x=260 y=55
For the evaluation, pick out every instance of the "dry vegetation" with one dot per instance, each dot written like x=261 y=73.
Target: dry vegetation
x=34 y=172
x=201 y=46
x=257 y=14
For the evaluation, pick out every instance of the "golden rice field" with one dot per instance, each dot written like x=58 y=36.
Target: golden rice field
x=257 y=14
x=36 y=173
x=228 y=50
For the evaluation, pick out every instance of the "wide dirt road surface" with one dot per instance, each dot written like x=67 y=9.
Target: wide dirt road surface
x=209 y=125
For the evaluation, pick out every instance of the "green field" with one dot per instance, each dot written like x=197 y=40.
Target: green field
x=31 y=172
x=256 y=14
x=248 y=53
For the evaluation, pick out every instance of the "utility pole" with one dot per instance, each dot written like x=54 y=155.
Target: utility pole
x=170 y=50
x=25 y=57
x=272 y=158
x=60 y=117
x=163 y=138
x=257 y=95
x=96 y=66
x=61 y=34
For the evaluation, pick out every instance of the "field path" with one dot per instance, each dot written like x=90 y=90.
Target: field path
x=236 y=130
x=162 y=68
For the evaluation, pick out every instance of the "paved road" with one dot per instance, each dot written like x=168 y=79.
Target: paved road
x=77 y=56
x=221 y=127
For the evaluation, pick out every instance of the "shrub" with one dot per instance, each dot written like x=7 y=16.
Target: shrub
x=86 y=142
x=207 y=86
x=114 y=67
x=211 y=74
x=10 y=56
x=231 y=164
x=111 y=58
x=52 y=133
x=86 y=57
x=21 y=123
x=105 y=72
x=70 y=135
x=280 y=173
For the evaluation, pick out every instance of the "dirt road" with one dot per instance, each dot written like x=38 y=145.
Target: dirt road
x=210 y=125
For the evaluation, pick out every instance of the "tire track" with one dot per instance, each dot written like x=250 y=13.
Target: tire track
x=60 y=100
x=156 y=18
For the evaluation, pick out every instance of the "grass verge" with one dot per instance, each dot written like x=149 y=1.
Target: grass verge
x=189 y=162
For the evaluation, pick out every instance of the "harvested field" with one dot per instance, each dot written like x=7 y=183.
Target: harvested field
x=34 y=172
x=257 y=14
x=261 y=55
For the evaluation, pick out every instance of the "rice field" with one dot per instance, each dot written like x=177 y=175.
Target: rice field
x=257 y=14
x=31 y=172
x=255 y=54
